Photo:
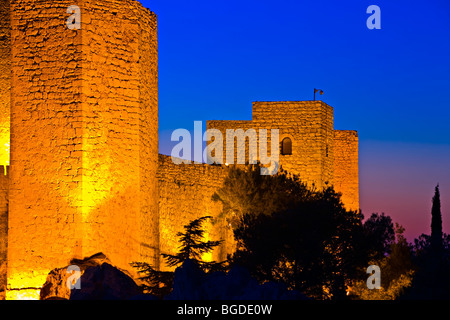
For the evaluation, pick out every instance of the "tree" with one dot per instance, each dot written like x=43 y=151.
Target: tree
x=158 y=283
x=431 y=257
x=288 y=232
x=379 y=236
x=191 y=247
x=399 y=262
x=397 y=271
x=246 y=191
x=436 y=224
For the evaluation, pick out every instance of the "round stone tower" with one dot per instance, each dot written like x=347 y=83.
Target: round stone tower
x=84 y=136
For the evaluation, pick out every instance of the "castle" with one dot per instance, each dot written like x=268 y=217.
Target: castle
x=79 y=142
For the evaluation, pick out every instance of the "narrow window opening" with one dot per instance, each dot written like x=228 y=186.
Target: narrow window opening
x=286 y=146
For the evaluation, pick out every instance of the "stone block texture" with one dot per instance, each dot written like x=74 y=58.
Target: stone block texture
x=5 y=80
x=185 y=194
x=84 y=142
x=346 y=171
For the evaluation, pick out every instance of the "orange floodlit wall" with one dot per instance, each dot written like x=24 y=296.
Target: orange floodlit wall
x=346 y=171
x=5 y=81
x=185 y=194
x=84 y=121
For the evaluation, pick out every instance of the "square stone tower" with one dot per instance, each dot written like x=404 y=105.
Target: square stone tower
x=84 y=135
x=318 y=154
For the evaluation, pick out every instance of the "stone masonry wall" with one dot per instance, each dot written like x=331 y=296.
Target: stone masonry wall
x=185 y=192
x=320 y=155
x=80 y=111
x=120 y=131
x=5 y=80
x=4 y=190
x=45 y=182
x=346 y=170
x=83 y=138
x=4 y=201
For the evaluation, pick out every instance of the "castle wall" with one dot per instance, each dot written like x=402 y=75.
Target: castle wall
x=83 y=138
x=120 y=131
x=310 y=126
x=5 y=80
x=185 y=192
x=346 y=172
x=45 y=177
x=4 y=200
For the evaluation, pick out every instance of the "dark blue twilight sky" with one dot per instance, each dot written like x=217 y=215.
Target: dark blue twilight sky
x=392 y=84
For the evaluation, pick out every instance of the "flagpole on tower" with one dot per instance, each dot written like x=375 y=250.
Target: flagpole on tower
x=316 y=90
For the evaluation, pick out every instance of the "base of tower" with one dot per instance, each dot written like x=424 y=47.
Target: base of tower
x=23 y=294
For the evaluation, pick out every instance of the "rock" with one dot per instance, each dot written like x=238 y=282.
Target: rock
x=105 y=282
x=55 y=286
x=94 y=260
x=99 y=280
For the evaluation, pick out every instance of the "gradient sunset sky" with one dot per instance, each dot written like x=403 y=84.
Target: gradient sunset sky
x=391 y=85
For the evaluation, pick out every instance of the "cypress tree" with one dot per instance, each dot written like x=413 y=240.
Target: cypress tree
x=436 y=223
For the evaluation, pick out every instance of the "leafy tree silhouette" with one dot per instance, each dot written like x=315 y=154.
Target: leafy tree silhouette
x=396 y=269
x=246 y=191
x=288 y=232
x=436 y=225
x=191 y=247
x=379 y=236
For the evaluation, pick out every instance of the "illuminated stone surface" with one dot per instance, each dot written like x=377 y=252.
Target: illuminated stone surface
x=84 y=142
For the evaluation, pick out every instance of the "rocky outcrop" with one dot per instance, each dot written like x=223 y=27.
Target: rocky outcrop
x=99 y=280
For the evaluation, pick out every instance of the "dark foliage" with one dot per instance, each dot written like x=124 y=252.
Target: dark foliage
x=246 y=191
x=191 y=247
x=436 y=224
x=158 y=283
x=432 y=259
x=399 y=261
x=302 y=237
x=379 y=236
